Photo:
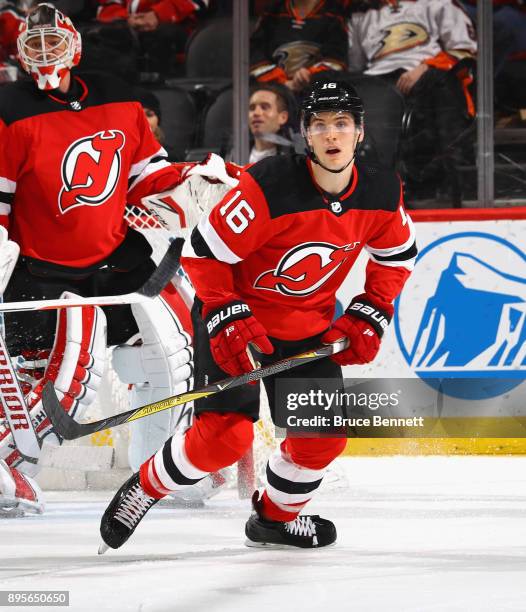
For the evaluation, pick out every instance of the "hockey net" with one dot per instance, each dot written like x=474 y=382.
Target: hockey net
x=102 y=461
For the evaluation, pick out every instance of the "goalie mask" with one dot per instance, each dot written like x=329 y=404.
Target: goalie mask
x=48 y=46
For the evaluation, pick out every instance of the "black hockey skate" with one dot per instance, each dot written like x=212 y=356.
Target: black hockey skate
x=308 y=531
x=124 y=513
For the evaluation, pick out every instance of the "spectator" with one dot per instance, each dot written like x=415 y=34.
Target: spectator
x=509 y=28
x=415 y=45
x=295 y=39
x=163 y=27
x=152 y=109
x=509 y=57
x=11 y=19
x=268 y=114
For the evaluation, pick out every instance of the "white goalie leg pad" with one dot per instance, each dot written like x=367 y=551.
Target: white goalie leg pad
x=75 y=366
x=160 y=367
x=19 y=493
x=9 y=252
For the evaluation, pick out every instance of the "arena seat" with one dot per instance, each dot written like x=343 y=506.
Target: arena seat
x=209 y=50
x=179 y=119
x=217 y=124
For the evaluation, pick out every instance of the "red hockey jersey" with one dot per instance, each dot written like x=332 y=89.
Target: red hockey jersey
x=285 y=247
x=69 y=165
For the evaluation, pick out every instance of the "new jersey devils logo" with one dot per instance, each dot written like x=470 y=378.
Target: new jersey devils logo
x=305 y=268
x=90 y=170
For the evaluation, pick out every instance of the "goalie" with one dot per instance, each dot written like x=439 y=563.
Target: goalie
x=76 y=149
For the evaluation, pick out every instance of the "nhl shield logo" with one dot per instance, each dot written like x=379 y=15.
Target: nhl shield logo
x=90 y=170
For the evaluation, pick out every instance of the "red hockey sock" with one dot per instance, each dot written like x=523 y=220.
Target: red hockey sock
x=218 y=440
x=298 y=455
x=150 y=480
x=270 y=511
x=313 y=453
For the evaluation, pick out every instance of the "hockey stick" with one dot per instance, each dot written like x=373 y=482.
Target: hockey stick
x=153 y=286
x=68 y=428
x=15 y=409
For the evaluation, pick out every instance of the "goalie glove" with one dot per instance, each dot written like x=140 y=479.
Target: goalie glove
x=202 y=186
x=9 y=252
x=363 y=323
x=231 y=328
x=215 y=170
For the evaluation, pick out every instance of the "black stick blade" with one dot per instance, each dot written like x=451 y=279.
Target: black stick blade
x=165 y=271
x=63 y=424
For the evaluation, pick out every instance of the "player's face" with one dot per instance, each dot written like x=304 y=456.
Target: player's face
x=333 y=137
x=264 y=117
x=46 y=49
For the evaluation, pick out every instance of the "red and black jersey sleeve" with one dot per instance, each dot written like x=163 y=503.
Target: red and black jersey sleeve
x=238 y=225
x=150 y=171
x=11 y=158
x=392 y=251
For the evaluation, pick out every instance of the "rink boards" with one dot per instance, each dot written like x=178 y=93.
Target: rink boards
x=461 y=314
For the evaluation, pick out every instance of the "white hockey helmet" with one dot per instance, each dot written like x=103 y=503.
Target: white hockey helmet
x=48 y=46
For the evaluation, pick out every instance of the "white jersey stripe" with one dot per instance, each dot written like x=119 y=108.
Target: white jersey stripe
x=215 y=243
x=7 y=185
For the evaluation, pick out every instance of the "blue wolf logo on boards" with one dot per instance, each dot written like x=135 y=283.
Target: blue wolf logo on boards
x=469 y=292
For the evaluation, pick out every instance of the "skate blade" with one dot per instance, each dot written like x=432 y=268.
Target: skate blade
x=11 y=513
x=103 y=548
x=273 y=546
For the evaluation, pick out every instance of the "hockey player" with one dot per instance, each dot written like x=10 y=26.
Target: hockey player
x=266 y=264
x=76 y=149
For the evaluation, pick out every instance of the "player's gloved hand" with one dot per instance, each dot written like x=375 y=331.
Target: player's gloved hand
x=232 y=327
x=363 y=323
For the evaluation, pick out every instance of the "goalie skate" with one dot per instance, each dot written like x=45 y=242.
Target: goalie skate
x=306 y=531
x=124 y=513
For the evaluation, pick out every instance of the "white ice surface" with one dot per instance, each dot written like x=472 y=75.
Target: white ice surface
x=416 y=534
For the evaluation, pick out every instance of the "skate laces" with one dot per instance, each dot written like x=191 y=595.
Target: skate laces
x=301 y=526
x=134 y=506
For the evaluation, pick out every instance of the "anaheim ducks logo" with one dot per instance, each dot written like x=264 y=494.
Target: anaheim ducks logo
x=305 y=268
x=401 y=36
x=295 y=55
x=90 y=170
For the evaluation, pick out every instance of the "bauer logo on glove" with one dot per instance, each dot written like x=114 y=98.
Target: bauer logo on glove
x=363 y=323
x=221 y=317
x=368 y=311
x=231 y=328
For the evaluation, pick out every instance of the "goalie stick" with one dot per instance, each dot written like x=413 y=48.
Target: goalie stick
x=68 y=428
x=160 y=277
x=15 y=409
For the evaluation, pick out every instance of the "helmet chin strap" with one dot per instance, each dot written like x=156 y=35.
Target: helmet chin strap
x=315 y=160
